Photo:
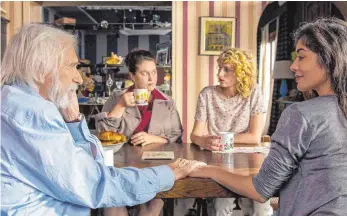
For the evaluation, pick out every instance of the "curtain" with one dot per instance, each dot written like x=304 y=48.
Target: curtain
x=266 y=63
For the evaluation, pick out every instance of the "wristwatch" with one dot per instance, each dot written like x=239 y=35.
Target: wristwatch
x=80 y=117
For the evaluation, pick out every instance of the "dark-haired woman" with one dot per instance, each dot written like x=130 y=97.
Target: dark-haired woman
x=307 y=163
x=159 y=122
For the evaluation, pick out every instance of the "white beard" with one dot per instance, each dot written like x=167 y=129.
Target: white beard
x=61 y=100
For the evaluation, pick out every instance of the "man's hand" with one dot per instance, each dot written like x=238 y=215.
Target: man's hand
x=182 y=167
x=211 y=143
x=70 y=113
x=127 y=99
x=142 y=138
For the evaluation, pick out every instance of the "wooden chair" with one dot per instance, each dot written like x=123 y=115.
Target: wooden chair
x=274 y=203
x=265 y=138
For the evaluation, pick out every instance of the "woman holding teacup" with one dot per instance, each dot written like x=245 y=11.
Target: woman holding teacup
x=143 y=114
x=235 y=105
x=144 y=122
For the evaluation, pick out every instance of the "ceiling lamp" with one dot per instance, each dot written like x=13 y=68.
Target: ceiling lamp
x=104 y=24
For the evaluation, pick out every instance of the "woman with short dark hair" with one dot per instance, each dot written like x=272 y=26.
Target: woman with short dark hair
x=157 y=122
x=307 y=162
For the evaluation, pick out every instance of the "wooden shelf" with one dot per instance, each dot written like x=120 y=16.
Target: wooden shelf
x=164 y=66
x=115 y=66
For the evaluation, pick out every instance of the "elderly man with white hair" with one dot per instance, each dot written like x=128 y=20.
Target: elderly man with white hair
x=50 y=163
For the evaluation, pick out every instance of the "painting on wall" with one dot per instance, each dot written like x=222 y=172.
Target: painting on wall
x=216 y=34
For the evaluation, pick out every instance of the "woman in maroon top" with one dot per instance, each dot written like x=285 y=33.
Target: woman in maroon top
x=158 y=122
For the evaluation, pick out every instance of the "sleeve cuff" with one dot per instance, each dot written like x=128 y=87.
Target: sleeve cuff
x=166 y=177
x=257 y=183
x=105 y=123
x=79 y=130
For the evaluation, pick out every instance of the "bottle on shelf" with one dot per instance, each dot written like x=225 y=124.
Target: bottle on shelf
x=109 y=84
x=167 y=82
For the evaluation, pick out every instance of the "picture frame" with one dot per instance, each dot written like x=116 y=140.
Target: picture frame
x=162 y=56
x=163 y=46
x=216 y=34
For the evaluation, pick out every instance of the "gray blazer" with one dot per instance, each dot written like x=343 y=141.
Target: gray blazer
x=165 y=120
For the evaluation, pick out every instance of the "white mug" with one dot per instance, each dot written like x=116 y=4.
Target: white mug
x=108 y=156
x=141 y=97
x=227 y=140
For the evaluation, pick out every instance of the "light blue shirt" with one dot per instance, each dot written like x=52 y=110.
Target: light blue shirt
x=47 y=166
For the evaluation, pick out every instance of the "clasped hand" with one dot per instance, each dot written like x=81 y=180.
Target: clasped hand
x=182 y=167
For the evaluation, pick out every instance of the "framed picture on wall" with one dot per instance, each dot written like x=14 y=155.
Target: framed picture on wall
x=216 y=34
x=162 y=56
x=163 y=46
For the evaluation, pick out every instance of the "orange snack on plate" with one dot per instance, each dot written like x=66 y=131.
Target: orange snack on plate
x=111 y=136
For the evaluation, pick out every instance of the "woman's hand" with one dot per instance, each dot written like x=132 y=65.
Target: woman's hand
x=203 y=171
x=211 y=143
x=142 y=138
x=182 y=167
x=127 y=99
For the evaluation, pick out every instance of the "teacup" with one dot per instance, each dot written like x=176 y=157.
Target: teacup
x=227 y=140
x=141 y=97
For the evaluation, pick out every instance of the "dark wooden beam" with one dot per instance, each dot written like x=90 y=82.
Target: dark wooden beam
x=103 y=3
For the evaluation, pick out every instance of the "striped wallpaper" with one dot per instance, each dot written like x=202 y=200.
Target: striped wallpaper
x=191 y=72
x=106 y=43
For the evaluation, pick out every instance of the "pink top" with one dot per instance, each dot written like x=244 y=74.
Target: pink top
x=228 y=114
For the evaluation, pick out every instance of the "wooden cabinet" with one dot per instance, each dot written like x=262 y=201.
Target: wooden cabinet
x=3 y=35
x=312 y=10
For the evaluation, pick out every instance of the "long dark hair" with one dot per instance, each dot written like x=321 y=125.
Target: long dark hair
x=135 y=57
x=327 y=37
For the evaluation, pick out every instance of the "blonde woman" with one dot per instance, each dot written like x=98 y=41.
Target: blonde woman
x=235 y=105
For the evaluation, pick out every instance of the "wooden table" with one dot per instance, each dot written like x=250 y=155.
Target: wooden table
x=240 y=163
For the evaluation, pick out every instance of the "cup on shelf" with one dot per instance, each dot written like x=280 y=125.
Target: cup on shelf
x=119 y=85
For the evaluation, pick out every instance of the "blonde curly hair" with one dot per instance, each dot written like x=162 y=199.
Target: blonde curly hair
x=244 y=70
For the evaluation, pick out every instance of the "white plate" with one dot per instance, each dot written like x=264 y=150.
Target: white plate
x=115 y=147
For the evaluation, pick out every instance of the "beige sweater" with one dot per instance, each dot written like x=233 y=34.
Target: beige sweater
x=165 y=120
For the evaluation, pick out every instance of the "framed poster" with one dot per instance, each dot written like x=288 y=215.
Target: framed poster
x=162 y=56
x=216 y=34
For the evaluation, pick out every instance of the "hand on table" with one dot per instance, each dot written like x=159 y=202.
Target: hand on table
x=203 y=171
x=142 y=138
x=182 y=167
